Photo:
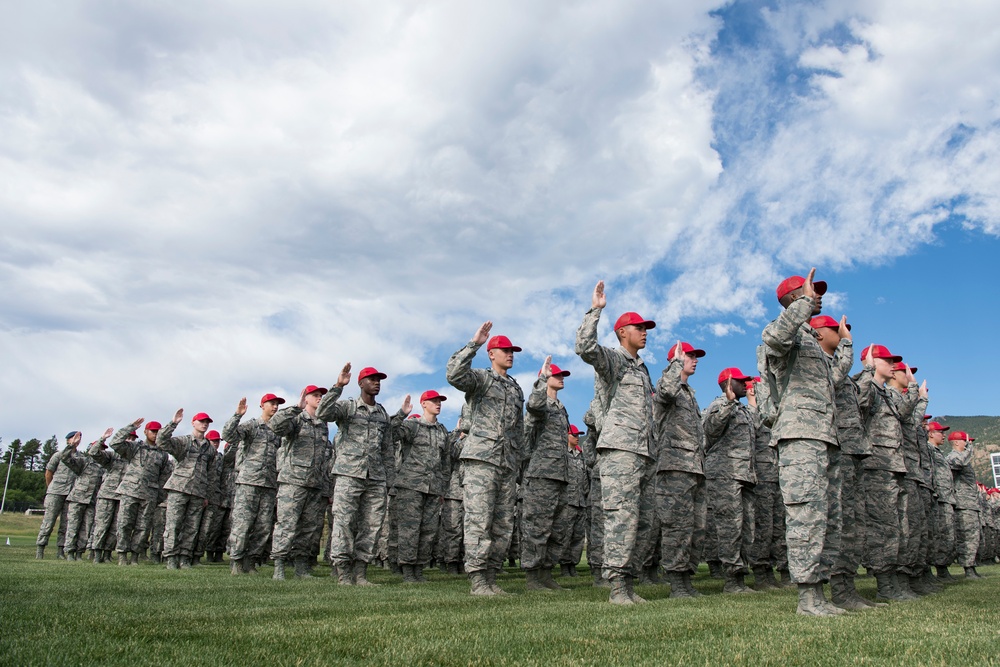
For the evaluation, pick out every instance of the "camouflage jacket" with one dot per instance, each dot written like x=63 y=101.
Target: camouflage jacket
x=257 y=454
x=944 y=484
x=628 y=421
x=730 y=437
x=588 y=447
x=578 y=482
x=765 y=456
x=964 y=477
x=453 y=490
x=215 y=489
x=88 y=478
x=548 y=426
x=910 y=418
x=424 y=461
x=926 y=462
x=114 y=468
x=62 y=475
x=194 y=456
x=496 y=424
x=850 y=431
x=161 y=490
x=303 y=447
x=229 y=474
x=146 y=469
x=363 y=445
x=883 y=427
x=680 y=432
x=806 y=408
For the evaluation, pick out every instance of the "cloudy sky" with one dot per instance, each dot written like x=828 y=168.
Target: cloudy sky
x=203 y=201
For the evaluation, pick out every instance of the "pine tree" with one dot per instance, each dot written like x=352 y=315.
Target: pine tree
x=49 y=449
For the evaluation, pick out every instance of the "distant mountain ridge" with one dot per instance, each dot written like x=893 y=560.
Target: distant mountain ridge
x=986 y=432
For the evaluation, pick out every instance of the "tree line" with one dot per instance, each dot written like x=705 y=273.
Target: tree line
x=27 y=460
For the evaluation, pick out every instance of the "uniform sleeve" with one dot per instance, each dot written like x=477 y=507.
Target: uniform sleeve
x=866 y=393
x=388 y=457
x=459 y=372
x=668 y=387
x=779 y=335
x=121 y=444
x=843 y=361
x=538 y=399
x=176 y=447
x=103 y=457
x=75 y=461
x=587 y=346
x=233 y=431
x=331 y=408
x=285 y=422
x=716 y=419
x=55 y=459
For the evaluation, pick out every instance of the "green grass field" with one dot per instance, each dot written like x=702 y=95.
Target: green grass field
x=62 y=613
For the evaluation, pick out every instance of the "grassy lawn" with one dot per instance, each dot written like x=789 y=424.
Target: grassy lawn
x=61 y=613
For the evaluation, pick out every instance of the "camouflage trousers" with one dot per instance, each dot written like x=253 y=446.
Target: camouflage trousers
x=929 y=503
x=299 y=516
x=359 y=507
x=595 y=524
x=253 y=520
x=683 y=512
x=514 y=548
x=105 y=526
x=56 y=507
x=627 y=501
x=208 y=531
x=225 y=527
x=541 y=539
x=768 y=547
x=79 y=524
x=417 y=518
x=852 y=503
x=803 y=469
x=134 y=523
x=884 y=508
x=967 y=531
x=488 y=497
x=159 y=527
x=731 y=504
x=943 y=551
x=911 y=529
x=182 y=522
x=576 y=531
x=449 y=542
x=388 y=538
x=324 y=520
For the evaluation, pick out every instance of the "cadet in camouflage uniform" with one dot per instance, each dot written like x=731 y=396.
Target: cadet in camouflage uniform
x=106 y=511
x=967 y=526
x=449 y=542
x=730 y=434
x=146 y=472
x=256 y=483
x=835 y=339
x=491 y=454
x=805 y=435
x=884 y=473
x=212 y=516
x=913 y=544
x=623 y=412
x=228 y=496
x=158 y=523
x=300 y=464
x=595 y=510
x=82 y=499
x=545 y=479
x=58 y=483
x=424 y=468
x=187 y=488
x=943 y=517
x=768 y=550
x=574 y=522
x=363 y=466
x=929 y=501
x=680 y=471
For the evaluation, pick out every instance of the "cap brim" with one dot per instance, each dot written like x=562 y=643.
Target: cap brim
x=697 y=353
x=377 y=376
x=512 y=348
x=820 y=286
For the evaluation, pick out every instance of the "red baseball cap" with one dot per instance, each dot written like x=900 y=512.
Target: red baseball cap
x=153 y=426
x=927 y=417
x=213 y=435
x=687 y=348
x=501 y=343
x=556 y=371
x=271 y=397
x=937 y=426
x=825 y=322
x=430 y=395
x=312 y=389
x=633 y=318
x=960 y=435
x=881 y=352
x=756 y=378
x=793 y=283
x=202 y=417
x=369 y=372
x=415 y=415
x=732 y=373
x=573 y=430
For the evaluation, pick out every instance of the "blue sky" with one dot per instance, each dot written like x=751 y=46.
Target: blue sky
x=201 y=202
